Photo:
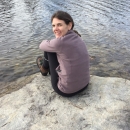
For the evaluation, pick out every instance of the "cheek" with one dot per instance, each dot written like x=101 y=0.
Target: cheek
x=65 y=29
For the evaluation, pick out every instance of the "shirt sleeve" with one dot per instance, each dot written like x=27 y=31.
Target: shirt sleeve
x=53 y=45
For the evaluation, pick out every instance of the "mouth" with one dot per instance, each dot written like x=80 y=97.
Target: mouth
x=57 y=34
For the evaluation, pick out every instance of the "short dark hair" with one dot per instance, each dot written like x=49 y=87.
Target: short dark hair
x=61 y=15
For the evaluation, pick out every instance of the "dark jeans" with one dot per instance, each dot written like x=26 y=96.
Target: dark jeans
x=51 y=63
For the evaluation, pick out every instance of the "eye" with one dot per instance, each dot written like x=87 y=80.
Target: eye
x=59 y=25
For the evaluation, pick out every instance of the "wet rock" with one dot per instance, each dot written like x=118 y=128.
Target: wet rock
x=8 y=87
x=104 y=105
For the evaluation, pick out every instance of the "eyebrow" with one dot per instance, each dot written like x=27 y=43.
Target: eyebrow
x=56 y=24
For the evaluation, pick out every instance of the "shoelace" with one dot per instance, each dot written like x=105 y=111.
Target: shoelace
x=41 y=62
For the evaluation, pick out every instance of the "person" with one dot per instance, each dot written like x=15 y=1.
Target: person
x=65 y=57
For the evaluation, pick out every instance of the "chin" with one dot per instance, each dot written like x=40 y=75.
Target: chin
x=58 y=36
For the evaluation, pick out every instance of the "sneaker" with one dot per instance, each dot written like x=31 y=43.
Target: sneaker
x=39 y=62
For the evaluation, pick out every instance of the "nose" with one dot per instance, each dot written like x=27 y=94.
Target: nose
x=56 y=28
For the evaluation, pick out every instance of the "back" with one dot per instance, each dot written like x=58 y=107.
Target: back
x=73 y=63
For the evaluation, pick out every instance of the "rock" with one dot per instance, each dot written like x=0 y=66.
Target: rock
x=104 y=105
x=8 y=87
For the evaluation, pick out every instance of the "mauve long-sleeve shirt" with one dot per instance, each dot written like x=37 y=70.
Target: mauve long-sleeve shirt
x=73 y=58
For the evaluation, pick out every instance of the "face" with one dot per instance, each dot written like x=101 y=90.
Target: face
x=60 y=28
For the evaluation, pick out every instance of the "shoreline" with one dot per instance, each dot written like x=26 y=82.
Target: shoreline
x=7 y=88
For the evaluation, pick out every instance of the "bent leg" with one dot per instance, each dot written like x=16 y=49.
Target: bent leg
x=45 y=61
x=53 y=64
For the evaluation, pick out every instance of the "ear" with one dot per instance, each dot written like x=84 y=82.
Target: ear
x=70 y=25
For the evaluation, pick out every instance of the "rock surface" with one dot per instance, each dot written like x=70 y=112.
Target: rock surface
x=104 y=105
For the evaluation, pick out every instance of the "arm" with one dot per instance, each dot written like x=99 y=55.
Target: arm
x=53 y=45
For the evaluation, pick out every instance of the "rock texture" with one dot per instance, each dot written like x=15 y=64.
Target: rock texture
x=104 y=105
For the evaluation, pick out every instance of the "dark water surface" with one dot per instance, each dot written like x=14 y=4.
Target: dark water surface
x=104 y=26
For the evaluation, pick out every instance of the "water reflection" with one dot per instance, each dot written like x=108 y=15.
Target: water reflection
x=21 y=22
x=104 y=26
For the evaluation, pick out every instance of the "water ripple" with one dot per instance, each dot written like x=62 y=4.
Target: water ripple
x=104 y=26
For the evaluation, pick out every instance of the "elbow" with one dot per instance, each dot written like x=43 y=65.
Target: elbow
x=40 y=47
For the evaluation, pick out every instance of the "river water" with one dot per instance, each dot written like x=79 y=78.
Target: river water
x=104 y=26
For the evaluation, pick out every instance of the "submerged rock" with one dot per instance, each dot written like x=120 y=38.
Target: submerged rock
x=104 y=105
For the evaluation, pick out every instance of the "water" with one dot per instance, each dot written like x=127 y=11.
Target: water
x=104 y=26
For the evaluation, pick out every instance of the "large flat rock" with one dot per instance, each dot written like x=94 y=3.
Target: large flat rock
x=104 y=105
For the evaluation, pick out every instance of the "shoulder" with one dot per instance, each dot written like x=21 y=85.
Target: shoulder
x=70 y=33
x=70 y=36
